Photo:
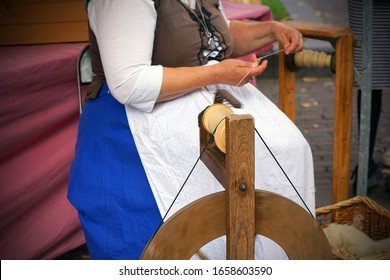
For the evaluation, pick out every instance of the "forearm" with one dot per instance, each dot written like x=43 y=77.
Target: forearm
x=182 y=80
x=251 y=36
x=179 y=81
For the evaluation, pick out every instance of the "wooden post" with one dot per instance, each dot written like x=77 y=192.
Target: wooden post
x=286 y=88
x=240 y=187
x=343 y=39
x=342 y=118
x=235 y=171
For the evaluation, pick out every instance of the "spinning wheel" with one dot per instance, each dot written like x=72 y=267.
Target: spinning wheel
x=240 y=212
x=294 y=230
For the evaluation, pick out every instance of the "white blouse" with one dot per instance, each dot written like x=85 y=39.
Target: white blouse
x=125 y=33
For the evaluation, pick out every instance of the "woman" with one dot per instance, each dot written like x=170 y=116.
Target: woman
x=161 y=64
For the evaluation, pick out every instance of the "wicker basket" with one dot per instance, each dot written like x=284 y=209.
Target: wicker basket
x=375 y=222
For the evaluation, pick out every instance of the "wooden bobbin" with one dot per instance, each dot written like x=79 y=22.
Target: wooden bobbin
x=310 y=58
x=213 y=121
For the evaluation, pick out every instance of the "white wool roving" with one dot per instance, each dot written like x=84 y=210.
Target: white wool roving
x=355 y=241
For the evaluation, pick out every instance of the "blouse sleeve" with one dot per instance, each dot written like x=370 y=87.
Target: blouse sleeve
x=223 y=13
x=125 y=32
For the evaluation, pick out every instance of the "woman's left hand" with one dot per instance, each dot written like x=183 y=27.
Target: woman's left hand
x=290 y=38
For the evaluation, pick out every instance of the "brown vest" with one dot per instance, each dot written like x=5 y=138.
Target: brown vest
x=179 y=40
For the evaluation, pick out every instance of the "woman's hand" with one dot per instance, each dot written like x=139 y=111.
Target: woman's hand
x=290 y=38
x=236 y=72
x=178 y=81
x=249 y=36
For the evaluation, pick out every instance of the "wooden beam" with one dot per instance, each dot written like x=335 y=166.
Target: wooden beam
x=38 y=22
x=240 y=162
x=286 y=88
x=342 y=118
x=343 y=39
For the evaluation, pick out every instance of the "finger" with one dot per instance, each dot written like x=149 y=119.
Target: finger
x=252 y=73
x=260 y=69
x=287 y=48
x=301 y=46
x=235 y=62
x=263 y=65
x=254 y=60
x=296 y=43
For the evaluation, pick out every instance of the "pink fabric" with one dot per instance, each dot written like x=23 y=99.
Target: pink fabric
x=239 y=11
x=38 y=127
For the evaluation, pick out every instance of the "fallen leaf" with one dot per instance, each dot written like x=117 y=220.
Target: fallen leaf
x=309 y=79
x=306 y=104
x=379 y=149
x=328 y=84
x=309 y=104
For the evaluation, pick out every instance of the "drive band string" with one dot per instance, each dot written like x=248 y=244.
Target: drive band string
x=259 y=61
x=214 y=121
x=184 y=183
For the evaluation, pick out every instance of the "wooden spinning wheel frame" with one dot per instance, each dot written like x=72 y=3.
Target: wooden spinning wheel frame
x=240 y=212
x=341 y=38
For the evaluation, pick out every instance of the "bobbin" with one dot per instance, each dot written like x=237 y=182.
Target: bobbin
x=213 y=120
x=309 y=58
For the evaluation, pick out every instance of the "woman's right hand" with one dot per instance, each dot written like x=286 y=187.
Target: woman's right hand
x=178 y=81
x=237 y=72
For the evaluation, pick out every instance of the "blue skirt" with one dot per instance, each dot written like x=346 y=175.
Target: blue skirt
x=108 y=185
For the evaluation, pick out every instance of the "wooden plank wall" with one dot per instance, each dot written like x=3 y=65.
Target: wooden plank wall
x=42 y=21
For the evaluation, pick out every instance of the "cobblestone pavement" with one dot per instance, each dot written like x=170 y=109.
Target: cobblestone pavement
x=330 y=11
x=315 y=118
